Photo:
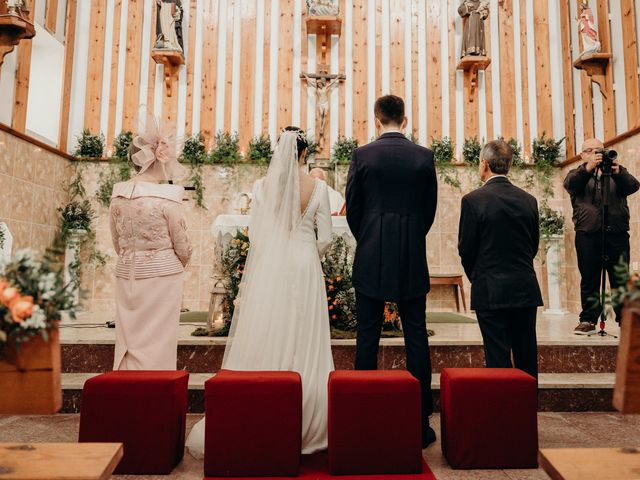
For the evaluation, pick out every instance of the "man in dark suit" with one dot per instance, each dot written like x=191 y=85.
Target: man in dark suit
x=497 y=241
x=391 y=204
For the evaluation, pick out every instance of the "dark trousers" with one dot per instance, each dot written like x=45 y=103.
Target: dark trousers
x=416 y=341
x=507 y=331
x=589 y=252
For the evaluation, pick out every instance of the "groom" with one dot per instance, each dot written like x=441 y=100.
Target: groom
x=391 y=204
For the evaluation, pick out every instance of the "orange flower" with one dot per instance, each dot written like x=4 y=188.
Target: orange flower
x=338 y=278
x=334 y=316
x=21 y=309
x=330 y=307
x=9 y=295
x=330 y=288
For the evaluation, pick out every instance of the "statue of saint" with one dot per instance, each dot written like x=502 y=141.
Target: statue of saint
x=323 y=102
x=587 y=30
x=324 y=8
x=169 y=25
x=475 y=11
x=17 y=7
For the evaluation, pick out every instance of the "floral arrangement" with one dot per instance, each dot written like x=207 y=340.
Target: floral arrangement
x=471 y=149
x=341 y=296
x=343 y=149
x=89 y=145
x=551 y=222
x=629 y=289
x=227 y=149
x=233 y=261
x=260 y=150
x=545 y=152
x=443 y=150
x=32 y=295
x=194 y=150
x=121 y=144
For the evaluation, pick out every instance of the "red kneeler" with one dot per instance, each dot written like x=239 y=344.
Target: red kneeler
x=145 y=410
x=489 y=418
x=253 y=425
x=374 y=423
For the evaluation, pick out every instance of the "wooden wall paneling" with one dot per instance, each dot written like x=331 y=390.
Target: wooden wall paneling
x=285 y=65
x=378 y=72
x=151 y=75
x=434 y=87
x=209 y=62
x=228 y=78
x=543 y=72
x=524 y=76
x=471 y=114
x=587 y=97
x=51 y=19
x=21 y=92
x=608 y=100
x=488 y=85
x=507 y=69
x=170 y=103
x=247 y=70
x=69 y=45
x=630 y=41
x=95 y=66
x=113 y=86
x=132 y=66
x=567 y=74
x=454 y=55
x=304 y=67
x=360 y=77
x=341 y=69
x=191 y=60
x=396 y=48
x=415 y=39
x=266 y=57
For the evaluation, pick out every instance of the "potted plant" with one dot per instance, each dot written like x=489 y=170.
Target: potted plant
x=89 y=146
x=32 y=296
x=226 y=149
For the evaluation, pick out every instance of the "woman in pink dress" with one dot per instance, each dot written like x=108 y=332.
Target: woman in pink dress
x=150 y=237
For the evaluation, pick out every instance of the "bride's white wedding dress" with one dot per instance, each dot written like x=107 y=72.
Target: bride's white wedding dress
x=281 y=321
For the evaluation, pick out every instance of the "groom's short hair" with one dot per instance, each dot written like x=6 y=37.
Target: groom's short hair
x=389 y=109
x=498 y=155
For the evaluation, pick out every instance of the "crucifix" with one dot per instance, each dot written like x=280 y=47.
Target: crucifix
x=323 y=83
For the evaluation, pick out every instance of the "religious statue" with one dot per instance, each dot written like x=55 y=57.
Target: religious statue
x=324 y=8
x=475 y=11
x=16 y=7
x=588 y=32
x=323 y=85
x=169 y=25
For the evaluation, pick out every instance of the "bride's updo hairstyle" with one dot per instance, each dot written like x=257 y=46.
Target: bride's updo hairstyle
x=301 y=139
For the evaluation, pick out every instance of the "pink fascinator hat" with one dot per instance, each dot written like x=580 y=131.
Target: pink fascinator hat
x=157 y=150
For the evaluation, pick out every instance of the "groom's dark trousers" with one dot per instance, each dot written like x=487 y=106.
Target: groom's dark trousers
x=412 y=314
x=392 y=192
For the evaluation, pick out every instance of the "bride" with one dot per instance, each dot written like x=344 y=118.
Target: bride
x=281 y=321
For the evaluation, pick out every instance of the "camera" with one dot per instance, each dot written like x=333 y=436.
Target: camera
x=608 y=157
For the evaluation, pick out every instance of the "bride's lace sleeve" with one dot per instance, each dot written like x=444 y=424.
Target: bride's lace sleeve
x=178 y=232
x=323 y=222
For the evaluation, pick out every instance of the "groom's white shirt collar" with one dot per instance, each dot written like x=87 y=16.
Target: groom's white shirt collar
x=495 y=176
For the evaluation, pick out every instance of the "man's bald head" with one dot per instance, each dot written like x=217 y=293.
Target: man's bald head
x=592 y=144
x=318 y=173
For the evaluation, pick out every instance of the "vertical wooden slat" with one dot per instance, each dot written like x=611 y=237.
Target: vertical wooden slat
x=416 y=5
x=247 y=70
x=209 y=62
x=488 y=83
x=360 y=75
x=378 y=72
x=113 y=87
x=608 y=100
x=543 y=73
x=454 y=55
x=267 y=61
x=471 y=124
x=132 y=66
x=69 y=45
x=51 y=19
x=304 y=67
x=524 y=76
x=285 y=64
x=587 y=96
x=191 y=60
x=21 y=92
x=341 y=85
x=95 y=66
x=507 y=69
x=396 y=48
x=567 y=76
x=629 y=42
x=434 y=88
x=228 y=78
x=151 y=75
x=170 y=103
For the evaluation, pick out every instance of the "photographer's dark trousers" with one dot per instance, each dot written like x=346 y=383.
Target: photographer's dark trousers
x=416 y=341
x=589 y=252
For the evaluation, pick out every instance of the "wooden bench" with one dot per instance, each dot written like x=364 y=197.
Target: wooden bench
x=455 y=281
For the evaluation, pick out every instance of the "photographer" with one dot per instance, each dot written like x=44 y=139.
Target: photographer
x=585 y=184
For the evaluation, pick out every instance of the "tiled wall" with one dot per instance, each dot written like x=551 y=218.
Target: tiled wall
x=31 y=180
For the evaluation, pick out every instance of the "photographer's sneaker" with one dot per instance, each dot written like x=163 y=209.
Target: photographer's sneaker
x=585 y=328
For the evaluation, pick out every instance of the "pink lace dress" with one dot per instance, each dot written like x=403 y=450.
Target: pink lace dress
x=149 y=235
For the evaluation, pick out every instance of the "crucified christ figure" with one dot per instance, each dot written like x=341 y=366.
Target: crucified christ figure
x=322 y=97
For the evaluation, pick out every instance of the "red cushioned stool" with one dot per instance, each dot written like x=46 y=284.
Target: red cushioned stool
x=253 y=425
x=145 y=410
x=374 y=422
x=489 y=418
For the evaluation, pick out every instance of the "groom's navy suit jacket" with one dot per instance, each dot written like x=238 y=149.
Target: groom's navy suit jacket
x=391 y=200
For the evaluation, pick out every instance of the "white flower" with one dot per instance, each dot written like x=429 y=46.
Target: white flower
x=37 y=321
x=47 y=286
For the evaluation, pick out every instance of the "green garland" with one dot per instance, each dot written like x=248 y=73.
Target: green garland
x=443 y=151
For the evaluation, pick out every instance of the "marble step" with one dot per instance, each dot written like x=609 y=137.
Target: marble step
x=559 y=392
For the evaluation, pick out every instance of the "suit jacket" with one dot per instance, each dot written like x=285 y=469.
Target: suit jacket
x=497 y=241
x=391 y=199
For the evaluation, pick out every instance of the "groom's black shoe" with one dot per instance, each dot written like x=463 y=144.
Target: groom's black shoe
x=428 y=437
